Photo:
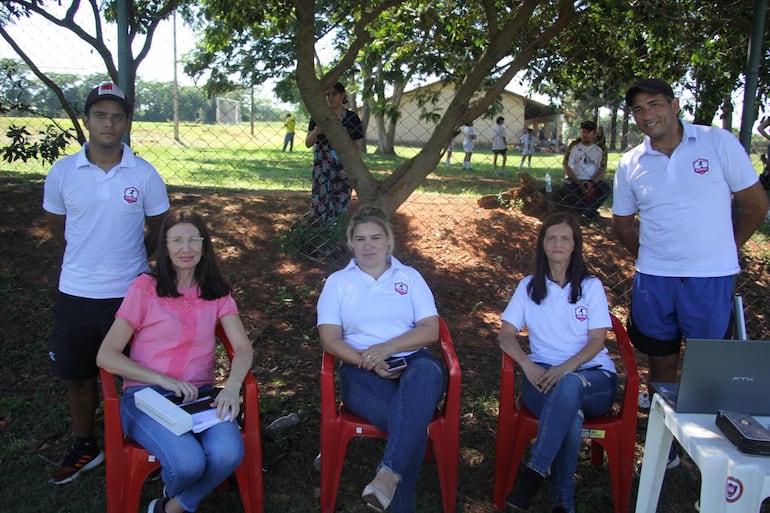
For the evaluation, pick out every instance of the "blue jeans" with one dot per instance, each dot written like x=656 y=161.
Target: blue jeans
x=402 y=408
x=288 y=140
x=193 y=463
x=559 y=432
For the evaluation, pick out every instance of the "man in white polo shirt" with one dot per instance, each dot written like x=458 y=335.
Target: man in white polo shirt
x=682 y=180
x=585 y=164
x=97 y=203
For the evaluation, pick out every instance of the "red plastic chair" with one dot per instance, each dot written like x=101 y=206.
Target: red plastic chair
x=339 y=425
x=614 y=432
x=128 y=464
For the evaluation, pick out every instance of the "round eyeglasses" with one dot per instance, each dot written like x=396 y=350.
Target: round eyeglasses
x=180 y=242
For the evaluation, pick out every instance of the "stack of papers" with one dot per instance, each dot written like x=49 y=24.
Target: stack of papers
x=203 y=415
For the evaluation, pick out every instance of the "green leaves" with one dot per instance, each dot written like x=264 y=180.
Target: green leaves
x=48 y=147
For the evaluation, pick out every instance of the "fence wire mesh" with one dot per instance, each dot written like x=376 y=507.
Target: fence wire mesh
x=237 y=142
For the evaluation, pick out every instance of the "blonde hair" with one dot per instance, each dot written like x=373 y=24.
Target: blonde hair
x=371 y=214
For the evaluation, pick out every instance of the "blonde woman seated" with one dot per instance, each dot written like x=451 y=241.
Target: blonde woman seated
x=568 y=375
x=375 y=309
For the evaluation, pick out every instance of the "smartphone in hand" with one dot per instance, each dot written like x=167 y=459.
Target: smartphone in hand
x=396 y=364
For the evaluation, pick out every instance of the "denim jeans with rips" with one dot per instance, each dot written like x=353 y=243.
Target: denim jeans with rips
x=193 y=463
x=561 y=412
x=402 y=408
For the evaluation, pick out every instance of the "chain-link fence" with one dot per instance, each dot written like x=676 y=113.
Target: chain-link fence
x=238 y=142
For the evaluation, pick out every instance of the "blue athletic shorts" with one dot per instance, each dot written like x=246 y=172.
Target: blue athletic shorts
x=80 y=324
x=665 y=309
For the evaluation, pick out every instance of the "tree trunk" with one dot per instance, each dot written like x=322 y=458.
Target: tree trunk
x=624 y=130
x=613 y=127
x=727 y=114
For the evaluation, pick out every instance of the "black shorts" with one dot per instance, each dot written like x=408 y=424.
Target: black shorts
x=80 y=325
x=499 y=152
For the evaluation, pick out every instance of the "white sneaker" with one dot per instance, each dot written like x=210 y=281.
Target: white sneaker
x=644 y=401
x=673 y=463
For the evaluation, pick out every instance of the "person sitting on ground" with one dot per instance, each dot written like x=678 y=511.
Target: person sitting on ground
x=584 y=189
x=568 y=374
x=172 y=316
x=373 y=310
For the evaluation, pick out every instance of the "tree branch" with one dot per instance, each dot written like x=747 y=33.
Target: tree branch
x=71 y=114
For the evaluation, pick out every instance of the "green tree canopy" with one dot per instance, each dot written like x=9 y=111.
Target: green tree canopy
x=476 y=46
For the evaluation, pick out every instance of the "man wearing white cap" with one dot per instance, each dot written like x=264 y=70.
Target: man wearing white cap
x=97 y=203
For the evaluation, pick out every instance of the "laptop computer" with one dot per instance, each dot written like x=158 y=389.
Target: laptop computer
x=721 y=375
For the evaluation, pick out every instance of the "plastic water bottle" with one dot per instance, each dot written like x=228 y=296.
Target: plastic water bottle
x=547 y=181
x=281 y=423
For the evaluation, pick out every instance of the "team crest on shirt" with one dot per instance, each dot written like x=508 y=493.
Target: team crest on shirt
x=131 y=195
x=401 y=287
x=581 y=313
x=700 y=166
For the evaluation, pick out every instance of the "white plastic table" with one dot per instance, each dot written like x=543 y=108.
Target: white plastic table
x=731 y=481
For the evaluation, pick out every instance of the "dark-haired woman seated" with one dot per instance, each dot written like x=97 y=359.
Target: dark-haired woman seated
x=568 y=374
x=172 y=316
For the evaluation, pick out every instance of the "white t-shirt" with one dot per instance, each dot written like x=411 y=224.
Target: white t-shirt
x=527 y=144
x=684 y=202
x=557 y=328
x=584 y=160
x=469 y=133
x=498 y=137
x=105 y=219
x=373 y=311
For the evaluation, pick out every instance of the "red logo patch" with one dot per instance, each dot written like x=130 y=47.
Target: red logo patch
x=733 y=489
x=401 y=287
x=131 y=195
x=700 y=166
x=581 y=313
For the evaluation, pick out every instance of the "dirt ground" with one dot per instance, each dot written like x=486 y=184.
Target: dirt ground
x=471 y=257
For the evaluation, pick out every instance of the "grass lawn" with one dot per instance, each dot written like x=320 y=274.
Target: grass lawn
x=246 y=157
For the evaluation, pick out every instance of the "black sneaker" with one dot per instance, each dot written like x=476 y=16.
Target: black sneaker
x=84 y=455
x=528 y=483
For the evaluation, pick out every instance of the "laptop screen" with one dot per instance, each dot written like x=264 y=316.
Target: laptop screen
x=725 y=374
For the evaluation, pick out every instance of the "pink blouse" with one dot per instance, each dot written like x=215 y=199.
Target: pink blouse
x=173 y=335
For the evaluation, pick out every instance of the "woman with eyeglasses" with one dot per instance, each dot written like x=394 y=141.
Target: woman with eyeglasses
x=172 y=314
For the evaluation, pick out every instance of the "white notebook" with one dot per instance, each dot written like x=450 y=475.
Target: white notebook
x=177 y=418
x=168 y=414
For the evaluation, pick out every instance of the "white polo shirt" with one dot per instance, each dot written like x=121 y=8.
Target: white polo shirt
x=374 y=311
x=557 y=328
x=684 y=202
x=105 y=219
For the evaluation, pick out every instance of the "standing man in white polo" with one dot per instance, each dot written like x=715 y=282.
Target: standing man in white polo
x=97 y=203
x=684 y=181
